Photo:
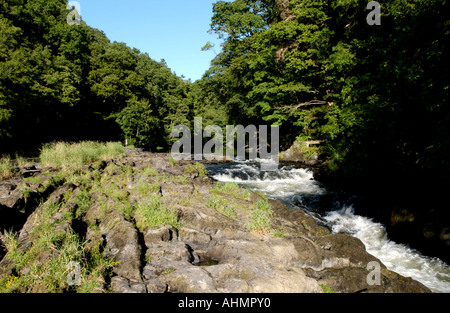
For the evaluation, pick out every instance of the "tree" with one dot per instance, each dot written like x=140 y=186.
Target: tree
x=138 y=123
x=63 y=82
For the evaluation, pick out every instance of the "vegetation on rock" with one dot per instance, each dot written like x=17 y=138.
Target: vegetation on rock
x=132 y=225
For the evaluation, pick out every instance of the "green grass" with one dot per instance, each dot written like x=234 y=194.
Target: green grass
x=229 y=187
x=200 y=168
x=279 y=234
x=34 y=180
x=152 y=212
x=216 y=202
x=327 y=289
x=45 y=263
x=146 y=189
x=222 y=205
x=84 y=202
x=21 y=161
x=43 y=267
x=150 y=171
x=260 y=221
x=73 y=155
x=6 y=168
x=172 y=161
x=233 y=189
x=182 y=179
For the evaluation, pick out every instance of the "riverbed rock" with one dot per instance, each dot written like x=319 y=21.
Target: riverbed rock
x=122 y=246
x=210 y=249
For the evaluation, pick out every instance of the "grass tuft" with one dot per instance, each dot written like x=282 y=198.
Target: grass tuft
x=260 y=222
x=327 y=289
x=222 y=205
x=233 y=189
x=72 y=155
x=6 y=168
x=152 y=212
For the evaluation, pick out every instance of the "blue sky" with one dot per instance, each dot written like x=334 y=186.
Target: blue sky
x=173 y=30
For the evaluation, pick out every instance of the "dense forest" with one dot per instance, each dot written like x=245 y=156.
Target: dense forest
x=376 y=95
x=63 y=82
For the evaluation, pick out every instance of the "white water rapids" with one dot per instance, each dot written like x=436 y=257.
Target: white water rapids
x=297 y=188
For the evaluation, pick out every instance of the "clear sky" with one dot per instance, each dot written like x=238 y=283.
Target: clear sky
x=173 y=30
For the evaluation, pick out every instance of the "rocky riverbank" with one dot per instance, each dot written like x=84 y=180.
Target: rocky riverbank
x=414 y=211
x=145 y=223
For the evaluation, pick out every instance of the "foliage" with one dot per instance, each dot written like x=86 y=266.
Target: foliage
x=222 y=205
x=68 y=83
x=317 y=69
x=232 y=189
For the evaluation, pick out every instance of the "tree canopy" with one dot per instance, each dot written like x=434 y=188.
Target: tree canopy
x=377 y=95
x=69 y=82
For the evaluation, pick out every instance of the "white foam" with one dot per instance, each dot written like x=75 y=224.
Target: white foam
x=285 y=182
x=399 y=258
x=294 y=183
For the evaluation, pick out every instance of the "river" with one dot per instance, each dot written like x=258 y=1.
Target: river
x=295 y=186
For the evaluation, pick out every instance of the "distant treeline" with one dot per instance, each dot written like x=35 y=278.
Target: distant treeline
x=378 y=96
x=62 y=82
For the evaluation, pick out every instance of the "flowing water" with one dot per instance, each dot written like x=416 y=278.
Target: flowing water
x=296 y=187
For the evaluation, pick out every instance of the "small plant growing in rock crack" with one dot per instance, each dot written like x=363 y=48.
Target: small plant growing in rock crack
x=279 y=234
x=200 y=168
x=34 y=180
x=27 y=192
x=327 y=289
x=172 y=161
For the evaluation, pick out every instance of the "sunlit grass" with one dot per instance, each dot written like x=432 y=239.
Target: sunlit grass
x=261 y=215
x=6 y=168
x=222 y=205
x=71 y=155
x=152 y=212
